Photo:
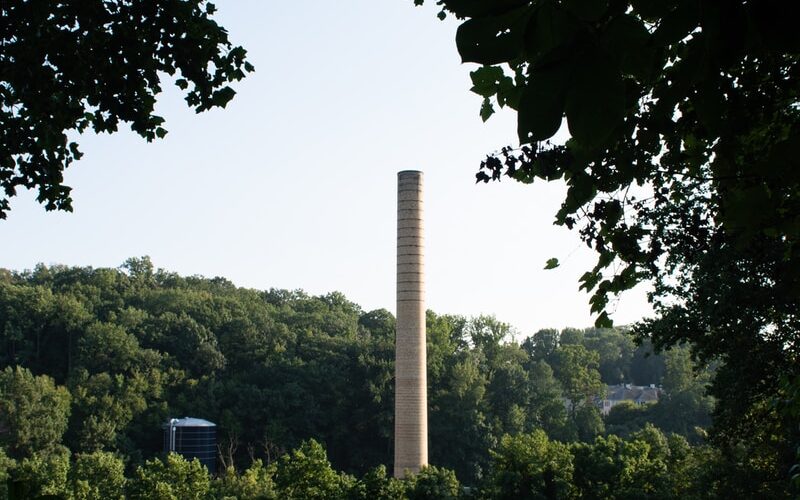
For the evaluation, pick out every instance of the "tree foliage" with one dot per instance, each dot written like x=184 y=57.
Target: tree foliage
x=693 y=100
x=307 y=473
x=41 y=474
x=681 y=167
x=172 y=479
x=530 y=466
x=376 y=484
x=98 y=475
x=67 y=67
x=33 y=412
x=433 y=483
x=275 y=369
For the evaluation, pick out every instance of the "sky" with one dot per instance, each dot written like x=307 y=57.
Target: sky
x=293 y=185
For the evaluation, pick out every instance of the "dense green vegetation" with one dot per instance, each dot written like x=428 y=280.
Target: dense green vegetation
x=682 y=169
x=101 y=65
x=94 y=361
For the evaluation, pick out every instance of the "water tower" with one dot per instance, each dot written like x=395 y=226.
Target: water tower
x=192 y=438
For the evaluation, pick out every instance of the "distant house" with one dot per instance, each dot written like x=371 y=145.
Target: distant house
x=616 y=394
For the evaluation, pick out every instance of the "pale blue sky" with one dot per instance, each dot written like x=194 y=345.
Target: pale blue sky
x=293 y=185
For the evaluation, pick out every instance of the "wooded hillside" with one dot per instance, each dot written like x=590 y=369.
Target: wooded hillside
x=95 y=361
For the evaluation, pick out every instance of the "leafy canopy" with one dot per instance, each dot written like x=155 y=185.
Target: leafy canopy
x=682 y=169
x=696 y=102
x=67 y=67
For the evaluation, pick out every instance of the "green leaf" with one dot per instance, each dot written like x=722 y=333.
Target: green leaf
x=745 y=208
x=678 y=24
x=595 y=103
x=625 y=280
x=776 y=24
x=223 y=96
x=599 y=300
x=492 y=40
x=709 y=104
x=627 y=38
x=487 y=109
x=508 y=94
x=541 y=105
x=550 y=28
x=582 y=190
x=73 y=149
x=587 y=10
x=652 y=10
x=551 y=263
x=589 y=280
x=604 y=260
x=485 y=80
x=482 y=8
x=603 y=321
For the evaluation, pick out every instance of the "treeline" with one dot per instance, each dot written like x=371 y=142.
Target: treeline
x=646 y=465
x=96 y=360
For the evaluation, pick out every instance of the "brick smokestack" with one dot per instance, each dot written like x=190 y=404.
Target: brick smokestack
x=411 y=388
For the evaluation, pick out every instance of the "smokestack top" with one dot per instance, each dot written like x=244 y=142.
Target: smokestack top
x=409 y=173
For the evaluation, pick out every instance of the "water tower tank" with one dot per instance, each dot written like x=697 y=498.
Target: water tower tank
x=192 y=438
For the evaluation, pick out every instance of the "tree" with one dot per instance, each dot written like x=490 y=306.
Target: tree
x=42 y=473
x=105 y=347
x=616 y=349
x=66 y=67
x=433 y=483
x=457 y=396
x=377 y=484
x=254 y=483
x=26 y=312
x=33 y=412
x=545 y=407
x=588 y=423
x=684 y=407
x=508 y=389
x=679 y=371
x=681 y=167
x=174 y=478
x=542 y=345
x=647 y=367
x=627 y=417
x=632 y=79
x=306 y=473
x=6 y=464
x=486 y=332
x=616 y=469
x=103 y=406
x=98 y=475
x=576 y=369
x=379 y=322
x=530 y=466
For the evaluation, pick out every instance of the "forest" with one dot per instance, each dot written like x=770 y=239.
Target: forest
x=94 y=361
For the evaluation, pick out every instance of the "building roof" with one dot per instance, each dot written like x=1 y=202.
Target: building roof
x=636 y=393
